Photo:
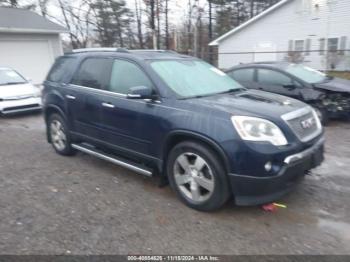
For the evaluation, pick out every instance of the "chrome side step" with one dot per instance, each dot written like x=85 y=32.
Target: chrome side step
x=113 y=159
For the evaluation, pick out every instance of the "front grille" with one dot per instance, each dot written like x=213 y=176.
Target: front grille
x=304 y=124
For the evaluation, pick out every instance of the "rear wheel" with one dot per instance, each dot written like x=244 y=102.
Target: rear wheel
x=59 y=135
x=197 y=176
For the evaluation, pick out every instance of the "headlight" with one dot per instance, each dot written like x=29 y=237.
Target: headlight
x=258 y=129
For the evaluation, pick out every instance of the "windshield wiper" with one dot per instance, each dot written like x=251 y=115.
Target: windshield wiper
x=232 y=90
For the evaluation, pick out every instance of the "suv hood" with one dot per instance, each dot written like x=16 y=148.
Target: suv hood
x=11 y=91
x=335 y=85
x=251 y=102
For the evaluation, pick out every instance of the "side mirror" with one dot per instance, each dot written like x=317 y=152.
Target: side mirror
x=140 y=92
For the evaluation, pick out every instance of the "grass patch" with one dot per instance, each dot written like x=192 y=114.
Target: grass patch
x=345 y=74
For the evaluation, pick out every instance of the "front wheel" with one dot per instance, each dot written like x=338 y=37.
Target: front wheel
x=59 y=135
x=322 y=115
x=197 y=176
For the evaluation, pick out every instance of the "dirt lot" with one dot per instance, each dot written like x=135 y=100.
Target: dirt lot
x=51 y=204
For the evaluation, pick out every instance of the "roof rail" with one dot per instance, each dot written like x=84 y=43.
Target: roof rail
x=153 y=50
x=101 y=49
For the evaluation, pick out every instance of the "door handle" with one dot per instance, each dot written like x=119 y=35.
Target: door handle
x=109 y=105
x=70 y=97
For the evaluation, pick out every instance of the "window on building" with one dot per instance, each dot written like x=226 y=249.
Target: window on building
x=299 y=45
x=332 y=44
x=343 y=45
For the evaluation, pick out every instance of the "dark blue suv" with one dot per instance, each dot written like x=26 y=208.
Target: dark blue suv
x=177 y=117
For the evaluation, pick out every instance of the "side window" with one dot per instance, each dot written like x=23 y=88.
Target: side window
x=94 y=73
x=59 y=70
x=126 y=75
x=243 y=75
x=271 y=77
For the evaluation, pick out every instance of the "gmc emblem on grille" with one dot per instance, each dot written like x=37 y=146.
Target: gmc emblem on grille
x=307 y=123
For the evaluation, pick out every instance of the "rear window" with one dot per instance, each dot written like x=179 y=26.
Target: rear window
x=61 y=68
x=94 y=73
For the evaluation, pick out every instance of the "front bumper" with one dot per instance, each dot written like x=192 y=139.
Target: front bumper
x=20 y=105
x=251 y=190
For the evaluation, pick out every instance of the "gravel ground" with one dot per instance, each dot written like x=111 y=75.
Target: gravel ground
x=51 y=204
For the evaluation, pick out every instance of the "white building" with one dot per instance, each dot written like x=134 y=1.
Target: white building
x=29 y=43
x=319 y=28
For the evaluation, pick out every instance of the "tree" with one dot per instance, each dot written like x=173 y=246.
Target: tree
x=112 y=22
x=138 y=13
x=77 y=21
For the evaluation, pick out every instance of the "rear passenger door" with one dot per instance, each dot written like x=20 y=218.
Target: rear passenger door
x=126 y=121
x=86 y=95
x=276 y=82
x=245 y=76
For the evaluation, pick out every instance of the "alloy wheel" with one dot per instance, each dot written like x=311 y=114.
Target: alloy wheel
x=58 y=135
x=194 y=177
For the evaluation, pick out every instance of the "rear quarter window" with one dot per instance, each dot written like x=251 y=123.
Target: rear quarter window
x=62 y=67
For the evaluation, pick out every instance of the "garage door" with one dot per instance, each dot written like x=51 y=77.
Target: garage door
x=31 y=58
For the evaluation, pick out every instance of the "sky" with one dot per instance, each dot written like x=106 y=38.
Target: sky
x=178 y=8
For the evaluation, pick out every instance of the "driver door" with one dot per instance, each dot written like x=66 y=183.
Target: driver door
x=127 y=123
x=276 y=82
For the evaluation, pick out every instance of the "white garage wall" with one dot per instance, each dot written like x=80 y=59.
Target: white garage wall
x=291 y=22
x=30 y=54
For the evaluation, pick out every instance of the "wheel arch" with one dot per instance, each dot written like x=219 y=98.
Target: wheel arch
x=176 y=137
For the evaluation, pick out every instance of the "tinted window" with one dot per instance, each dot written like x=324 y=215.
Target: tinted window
x=126 y=75
x=61 y=68
x=94 y=73
x=270 y=77
x=243 y=75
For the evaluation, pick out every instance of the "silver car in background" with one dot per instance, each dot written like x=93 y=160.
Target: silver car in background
x=17 y=94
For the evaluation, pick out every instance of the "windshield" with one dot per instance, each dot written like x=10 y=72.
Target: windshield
x=194 y=78
x=10 y=77
x=306 y=74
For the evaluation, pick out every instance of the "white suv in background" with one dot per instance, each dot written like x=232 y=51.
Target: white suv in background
x=16 y=93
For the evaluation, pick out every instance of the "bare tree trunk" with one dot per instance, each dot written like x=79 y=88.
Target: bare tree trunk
x=71 y=37
x=153 y=27
x=189 y=25
x=139 y=24
x=166 y=24
x=251 y=8
x=158 y=24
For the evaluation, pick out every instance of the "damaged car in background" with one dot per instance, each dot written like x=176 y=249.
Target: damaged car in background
x=330 y=96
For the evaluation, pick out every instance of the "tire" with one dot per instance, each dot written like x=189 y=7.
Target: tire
x=323 y=115
x=59 y=135
x=197 y=176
